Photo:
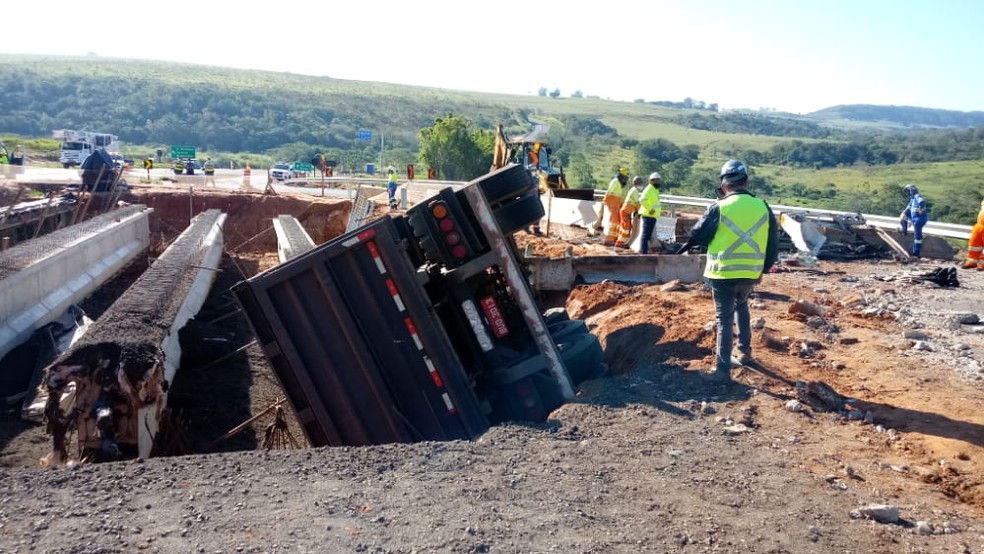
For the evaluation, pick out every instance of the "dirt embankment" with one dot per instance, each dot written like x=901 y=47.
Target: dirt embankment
x=248 y=226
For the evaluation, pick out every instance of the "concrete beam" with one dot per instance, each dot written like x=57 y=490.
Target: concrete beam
x=63 y=268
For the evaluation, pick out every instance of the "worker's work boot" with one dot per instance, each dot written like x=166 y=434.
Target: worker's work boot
x=970 y=264
x=743 y=358
x=717 y=376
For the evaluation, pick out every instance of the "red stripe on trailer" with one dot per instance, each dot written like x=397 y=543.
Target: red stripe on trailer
x=374 y=251
x=395 y=294
x=433 y=373
x=413 y=333
x=367 y=234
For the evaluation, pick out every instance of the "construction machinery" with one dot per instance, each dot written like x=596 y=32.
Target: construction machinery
x=527 y=151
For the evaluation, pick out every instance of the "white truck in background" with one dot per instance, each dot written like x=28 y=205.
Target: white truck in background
x=76 y=146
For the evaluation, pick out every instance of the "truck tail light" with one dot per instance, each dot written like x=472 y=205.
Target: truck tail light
x=444 y=229
x=449 y=229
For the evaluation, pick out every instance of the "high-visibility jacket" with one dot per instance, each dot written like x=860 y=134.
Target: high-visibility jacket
x=631 y=202
x=916 y=210
x=179 y=166
x=650 y=206
x=209 y=167
x=980 y=214
x=393 y=178
x=615 y=188
x=738 y=248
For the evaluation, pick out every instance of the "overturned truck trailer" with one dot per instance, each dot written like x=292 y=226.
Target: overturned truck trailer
x=420 y=327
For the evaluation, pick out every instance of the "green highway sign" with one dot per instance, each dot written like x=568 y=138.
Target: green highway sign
x=301 y=166
x=182 y=152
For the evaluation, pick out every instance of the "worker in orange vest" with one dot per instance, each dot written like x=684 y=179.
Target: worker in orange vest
x=975 y=245
x=613 y=199
x=629 y=213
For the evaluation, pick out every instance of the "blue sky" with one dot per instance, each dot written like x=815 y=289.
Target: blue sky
x=791 y=55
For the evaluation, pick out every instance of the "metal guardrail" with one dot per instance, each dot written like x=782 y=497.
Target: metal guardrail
x=932 y=228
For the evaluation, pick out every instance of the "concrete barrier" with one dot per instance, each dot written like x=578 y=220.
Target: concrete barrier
x=38 y=294
x=563 y=273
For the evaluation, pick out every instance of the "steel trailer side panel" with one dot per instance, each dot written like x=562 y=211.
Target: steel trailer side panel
x=356 y=347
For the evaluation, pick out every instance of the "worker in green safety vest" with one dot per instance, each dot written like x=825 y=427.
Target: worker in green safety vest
x=742 y=239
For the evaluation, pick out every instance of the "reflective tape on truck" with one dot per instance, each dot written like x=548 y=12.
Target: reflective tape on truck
x=394 y=293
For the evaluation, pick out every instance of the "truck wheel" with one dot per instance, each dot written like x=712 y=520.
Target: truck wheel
x=419 y=228
x=507 y=185
x=523 y=401
x=553 y=315
x=583 y=357
x=520 y=213
x=562 y=331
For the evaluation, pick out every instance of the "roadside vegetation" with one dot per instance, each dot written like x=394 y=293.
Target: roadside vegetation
x=851 y=158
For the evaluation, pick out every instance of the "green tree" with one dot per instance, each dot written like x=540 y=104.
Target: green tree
x=454 y=149
x=579 y=173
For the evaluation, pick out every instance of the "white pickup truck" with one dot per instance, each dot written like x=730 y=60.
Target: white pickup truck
x=282 y=171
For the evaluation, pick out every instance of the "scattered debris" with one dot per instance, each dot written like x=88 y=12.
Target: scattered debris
x=882 y=513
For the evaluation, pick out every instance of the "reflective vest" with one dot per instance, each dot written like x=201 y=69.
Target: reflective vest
x=392 y=178
x=209 y=168
x=179 y=166
x=631 y=199
x=650 y=204
x=615 y=188
x=917 y=208
x=737 y=250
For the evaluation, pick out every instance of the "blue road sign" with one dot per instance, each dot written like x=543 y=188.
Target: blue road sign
x=365 y=135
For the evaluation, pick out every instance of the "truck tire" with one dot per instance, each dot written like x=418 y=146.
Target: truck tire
x=523 y=401
x=507 y=185
x=554 y=315
x=583 y=357
x=420 y=231
x=562 y=331
x=520 y=213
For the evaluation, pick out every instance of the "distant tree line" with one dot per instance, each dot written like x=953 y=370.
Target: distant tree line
x=753 y=124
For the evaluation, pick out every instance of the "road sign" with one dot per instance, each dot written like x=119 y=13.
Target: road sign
x=303 y=167
x=364 y=135
x=182 y=152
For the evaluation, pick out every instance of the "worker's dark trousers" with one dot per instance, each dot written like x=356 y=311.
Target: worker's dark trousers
x=648 y=226
x=391 y=192
x=730 y=299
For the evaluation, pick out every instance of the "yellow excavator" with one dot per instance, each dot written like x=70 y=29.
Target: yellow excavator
x=535 y=157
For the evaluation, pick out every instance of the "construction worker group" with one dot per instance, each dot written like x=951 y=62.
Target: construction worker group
x=628 y=205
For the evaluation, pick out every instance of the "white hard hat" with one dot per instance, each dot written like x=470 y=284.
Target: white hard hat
x=390 y=168
x=654 y=175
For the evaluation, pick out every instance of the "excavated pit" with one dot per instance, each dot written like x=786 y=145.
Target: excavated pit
x=223 y=380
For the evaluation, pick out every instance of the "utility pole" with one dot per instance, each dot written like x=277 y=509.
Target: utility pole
x=382 y=147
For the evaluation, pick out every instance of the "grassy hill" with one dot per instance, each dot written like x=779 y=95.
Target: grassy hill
x=840 y=157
